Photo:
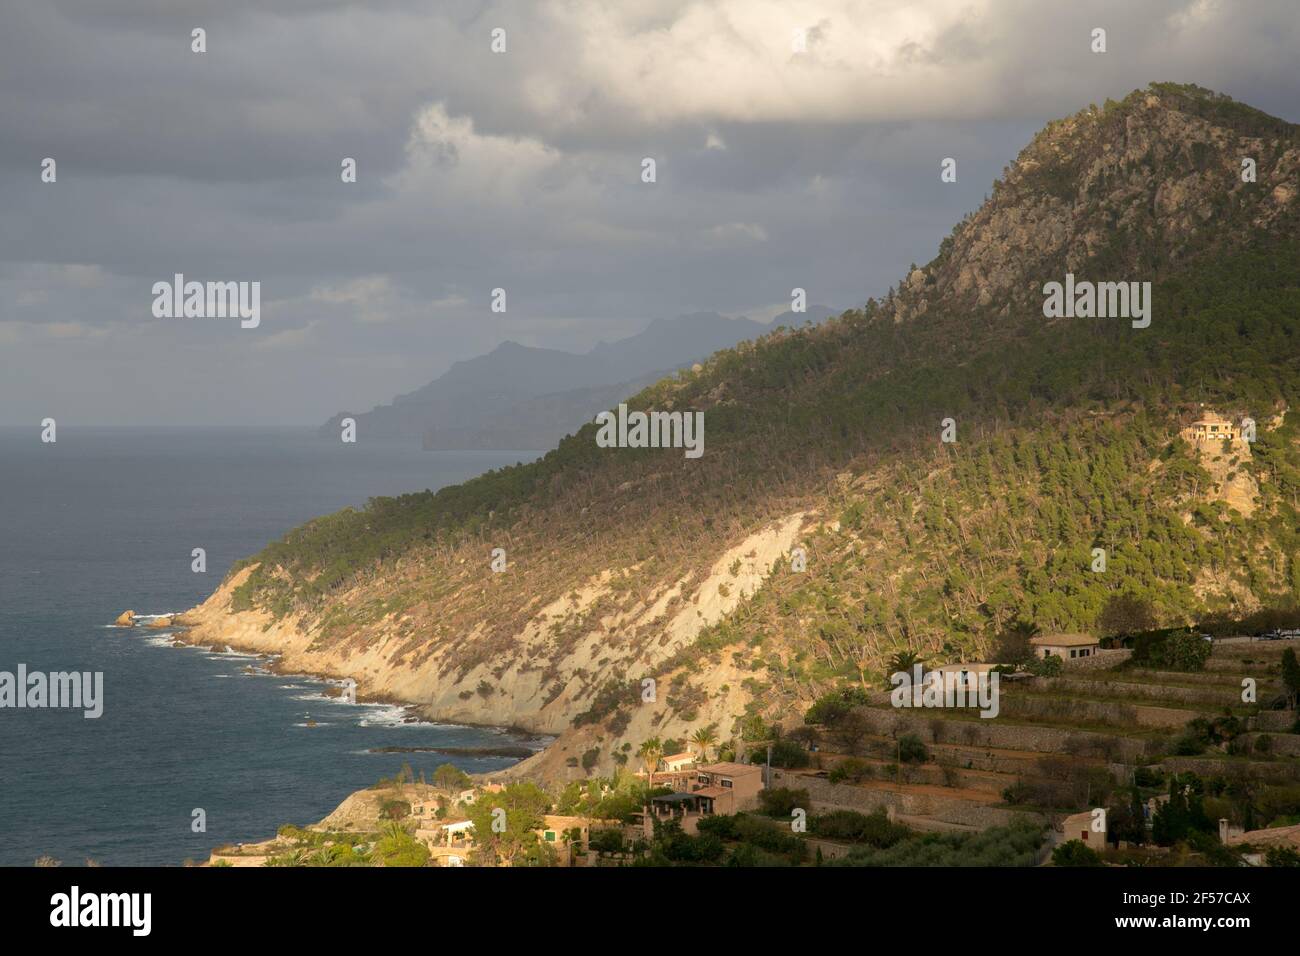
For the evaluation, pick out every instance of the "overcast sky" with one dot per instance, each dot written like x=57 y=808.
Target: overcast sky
x=520 y=170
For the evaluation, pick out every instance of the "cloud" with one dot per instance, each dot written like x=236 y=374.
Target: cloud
x=368 y=296
x=633 y=66
x=287 y=339
x=735 y=233
x=779 y=165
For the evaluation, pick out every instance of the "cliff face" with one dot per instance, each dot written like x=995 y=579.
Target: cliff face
x=624 y=566
x=544 y=677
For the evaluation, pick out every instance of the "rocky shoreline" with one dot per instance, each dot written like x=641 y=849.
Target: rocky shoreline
x=287 y=646
x=520 y=752
x=192 y=630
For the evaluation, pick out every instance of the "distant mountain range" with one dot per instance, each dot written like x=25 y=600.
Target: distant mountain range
x=519 y=398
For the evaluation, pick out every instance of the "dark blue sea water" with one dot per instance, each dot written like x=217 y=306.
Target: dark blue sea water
x=104 y=520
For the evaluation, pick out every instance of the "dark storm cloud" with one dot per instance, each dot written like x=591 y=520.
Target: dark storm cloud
x=777 y=168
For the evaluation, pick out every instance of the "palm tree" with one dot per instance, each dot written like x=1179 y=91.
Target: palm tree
x=903 y=661
x=394 y=830
x=704 y=738
x=650 y=752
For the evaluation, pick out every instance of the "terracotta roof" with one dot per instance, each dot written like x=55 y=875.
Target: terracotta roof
x=712 y=792
x=1274 y=836
x=561 y=821
x=1075 y=820
x=1062 y=640
x=687 y=755
x=684 y=772
x=729 y=769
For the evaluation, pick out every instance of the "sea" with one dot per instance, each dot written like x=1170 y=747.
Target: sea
x=194 y=748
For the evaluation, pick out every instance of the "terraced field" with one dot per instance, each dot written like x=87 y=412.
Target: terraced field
x=1059 y=745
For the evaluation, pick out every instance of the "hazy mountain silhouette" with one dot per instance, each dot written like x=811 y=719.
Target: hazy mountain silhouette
x=521 y=397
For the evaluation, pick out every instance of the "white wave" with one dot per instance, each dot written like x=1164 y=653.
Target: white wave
x=319 y=697
x=388 y=715
x=231 y=654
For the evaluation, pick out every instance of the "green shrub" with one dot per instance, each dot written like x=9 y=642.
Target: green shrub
x=1013 y=845
x=399 y=848
x=1075 y=853
x=780 y=801
x=912 y=750
x=832 y=706
x=770 y=836
x=1185 y=651
x=875 y=829
x=1281 y=856
x=450 y=777
x=606 y=840
x=1148 y=777
x=1049 y=666
x=851 y=769
x=788 y=754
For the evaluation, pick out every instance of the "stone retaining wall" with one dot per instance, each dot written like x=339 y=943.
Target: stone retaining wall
x=942 y=772
x=1281 y=771
x=1222 y=696
x=931 y=726
x=1280 y=745
x=1117 y=714
x=1277 y=721
x=845 y=796
x=1227 y=679
x=1255 y=668
x=1100 y=659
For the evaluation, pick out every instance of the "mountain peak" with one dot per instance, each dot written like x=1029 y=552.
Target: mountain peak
x=1120 y=191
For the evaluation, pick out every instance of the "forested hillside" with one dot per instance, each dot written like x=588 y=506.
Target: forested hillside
x=627 y=563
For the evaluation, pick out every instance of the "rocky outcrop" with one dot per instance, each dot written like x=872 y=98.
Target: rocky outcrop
x=125 y=619
x=1155 y=173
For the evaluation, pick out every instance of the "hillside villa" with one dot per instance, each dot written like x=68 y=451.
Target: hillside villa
x=1065 y=646
x=449 y=841
x=1214 y=429
x=716 y=788
x=677 y=761
x=1079 y=826
x=569 y=837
